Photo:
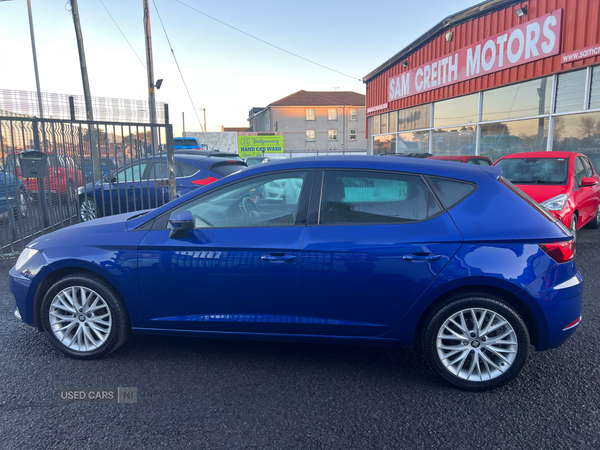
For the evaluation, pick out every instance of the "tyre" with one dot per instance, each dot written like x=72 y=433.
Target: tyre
x=88 y=210
x=573 y=226
x=84 y=317
x=476 y=343
x=595 y=222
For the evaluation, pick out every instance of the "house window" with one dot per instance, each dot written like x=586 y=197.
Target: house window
x=352 y=135
x=332 y=135
x=310 y=114
x=332 y=114
x=310 y=135
x=353 y=114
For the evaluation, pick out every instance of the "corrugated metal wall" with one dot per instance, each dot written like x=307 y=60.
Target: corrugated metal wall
x=580 y=29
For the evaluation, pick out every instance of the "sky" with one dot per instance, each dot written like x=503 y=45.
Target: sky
x=227 y=72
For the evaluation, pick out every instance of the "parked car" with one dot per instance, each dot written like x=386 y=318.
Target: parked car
x=14 y=198
x=565 y=183
x=143 y=183
x=468 y=159
x=187 y=143
x=107 y=166
x=64 y=177
x=391 y=251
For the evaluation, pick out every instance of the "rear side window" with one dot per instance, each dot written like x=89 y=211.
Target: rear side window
x=452 y=191
x=187 y=170
x=227 y=167
x=353 y=197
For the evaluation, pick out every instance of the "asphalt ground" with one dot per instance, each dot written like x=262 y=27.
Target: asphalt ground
x=202 y=393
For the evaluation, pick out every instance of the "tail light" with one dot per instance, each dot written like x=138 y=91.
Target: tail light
x=561 y=252
x=204 y=181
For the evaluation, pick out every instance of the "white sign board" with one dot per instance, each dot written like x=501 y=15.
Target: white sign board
x=217 y=141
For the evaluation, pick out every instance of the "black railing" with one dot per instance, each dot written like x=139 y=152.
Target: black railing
x=94 y=169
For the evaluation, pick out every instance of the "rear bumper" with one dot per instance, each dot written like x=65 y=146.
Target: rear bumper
x=561 y=306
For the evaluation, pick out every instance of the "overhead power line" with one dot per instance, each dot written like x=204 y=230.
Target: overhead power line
x=268 y=43
x=178 y=68
x=117 y=25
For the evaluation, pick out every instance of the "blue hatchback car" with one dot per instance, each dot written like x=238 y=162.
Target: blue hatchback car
x=365 y=250
x=143 y=183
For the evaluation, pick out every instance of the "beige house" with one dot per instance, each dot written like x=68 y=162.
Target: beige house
x=315 y=121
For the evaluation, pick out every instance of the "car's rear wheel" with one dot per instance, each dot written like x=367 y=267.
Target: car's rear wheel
x=88 y=210
x=477 y=342
x=84 y=317
x=595 y=222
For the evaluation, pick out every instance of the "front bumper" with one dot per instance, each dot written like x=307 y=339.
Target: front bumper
x=19 y=286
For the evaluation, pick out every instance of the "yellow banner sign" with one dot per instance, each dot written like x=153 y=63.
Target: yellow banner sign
x=249 y=146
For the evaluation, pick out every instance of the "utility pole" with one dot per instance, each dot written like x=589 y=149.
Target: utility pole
x=35 y=65
x=150 y=68
x=183 y=120
x=204 y=111
x=86 y=92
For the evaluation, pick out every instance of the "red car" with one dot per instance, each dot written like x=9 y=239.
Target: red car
x=63 y=176
x=565 y=183
x=469 y=159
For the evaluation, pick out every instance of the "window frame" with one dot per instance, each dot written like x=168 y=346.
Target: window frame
x=354 y=114
x=160 y=223
x=355 y=137
x=329 y=138
x=329 y=115
x=314 y=136
x=311 y=114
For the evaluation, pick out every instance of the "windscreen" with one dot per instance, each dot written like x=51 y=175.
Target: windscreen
x=552 y=171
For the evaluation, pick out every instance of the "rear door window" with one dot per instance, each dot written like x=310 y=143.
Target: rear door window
x=361 y=197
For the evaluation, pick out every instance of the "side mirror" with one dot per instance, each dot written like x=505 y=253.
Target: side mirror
x=587 y=181
x=181 y=223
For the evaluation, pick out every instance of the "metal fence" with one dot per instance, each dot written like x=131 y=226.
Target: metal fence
x=84 y=160
x=72 y=107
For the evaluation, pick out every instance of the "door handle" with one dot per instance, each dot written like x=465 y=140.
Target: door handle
x=421 y=257
x=278 y=258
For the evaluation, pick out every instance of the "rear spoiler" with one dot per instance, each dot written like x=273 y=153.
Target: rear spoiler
x=492 y=171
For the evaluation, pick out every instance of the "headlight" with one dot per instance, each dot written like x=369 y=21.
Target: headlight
x=24 y=257
x=80 y=190
x=555 y=203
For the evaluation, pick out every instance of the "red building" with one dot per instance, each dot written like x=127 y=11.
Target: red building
x=500 y=77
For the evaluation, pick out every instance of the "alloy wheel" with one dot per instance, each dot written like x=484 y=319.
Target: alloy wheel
x=87 y=211
x=80 y=319
x=573 y=227
x=477 y=344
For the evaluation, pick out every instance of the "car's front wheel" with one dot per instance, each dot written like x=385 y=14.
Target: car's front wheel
x=595 y=222
x=477 y=342
x=84 y=317
x=573 y=226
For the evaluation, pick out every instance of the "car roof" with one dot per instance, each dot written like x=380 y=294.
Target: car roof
x=552 y=154
x=417 y=165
